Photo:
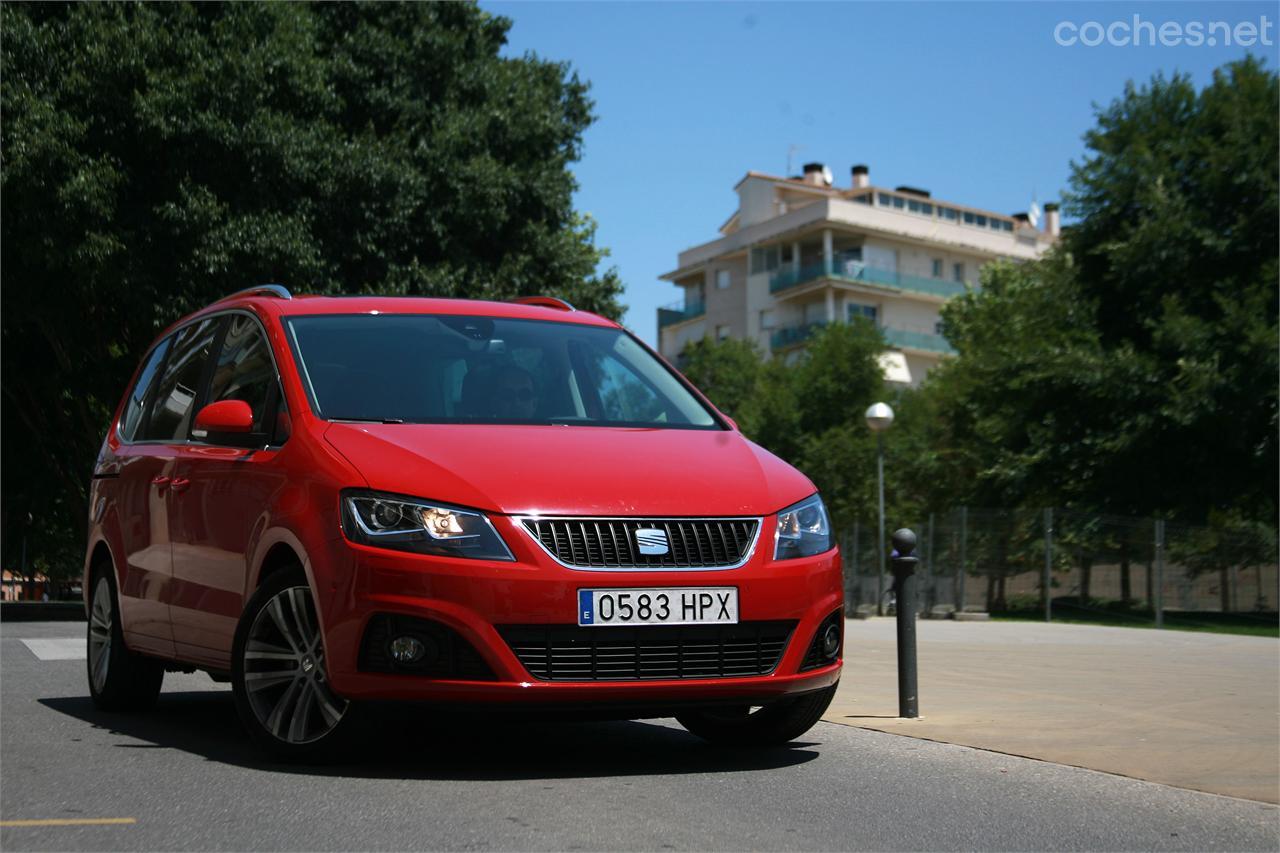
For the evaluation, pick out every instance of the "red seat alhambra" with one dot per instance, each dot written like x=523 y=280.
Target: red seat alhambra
x=329 y=500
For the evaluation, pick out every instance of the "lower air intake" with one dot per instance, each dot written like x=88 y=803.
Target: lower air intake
x=572 y=653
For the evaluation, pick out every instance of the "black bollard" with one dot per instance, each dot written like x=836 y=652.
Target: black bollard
x=904 y=586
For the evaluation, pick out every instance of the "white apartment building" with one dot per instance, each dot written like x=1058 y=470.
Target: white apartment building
x=800 y=253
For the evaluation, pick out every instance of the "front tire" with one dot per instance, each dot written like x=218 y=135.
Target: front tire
x=119 y=680
x=278 y=672
x=769 y=725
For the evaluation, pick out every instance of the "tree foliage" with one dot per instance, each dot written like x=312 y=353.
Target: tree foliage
x=1134 y=370
x=157 y=157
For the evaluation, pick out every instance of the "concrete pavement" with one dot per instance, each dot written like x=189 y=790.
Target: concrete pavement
x=1199 y=711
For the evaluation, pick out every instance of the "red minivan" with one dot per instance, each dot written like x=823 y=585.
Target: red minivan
x=329 y=500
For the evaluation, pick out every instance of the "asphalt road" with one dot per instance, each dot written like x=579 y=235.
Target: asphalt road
x=189 y=780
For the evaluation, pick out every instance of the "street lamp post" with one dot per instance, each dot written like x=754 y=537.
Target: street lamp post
x=879 y=418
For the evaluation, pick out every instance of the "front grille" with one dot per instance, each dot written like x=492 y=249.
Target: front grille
x=573 y=653
x=610 y=543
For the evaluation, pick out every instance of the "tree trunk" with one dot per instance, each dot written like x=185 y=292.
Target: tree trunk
x=1001 y=604
x=1224 y=589
x=1086 y=568
x=991 y=591
x=1151 y=585
x=1126 y=586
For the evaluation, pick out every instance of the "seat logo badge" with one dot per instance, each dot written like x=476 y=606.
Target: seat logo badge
x=652 y=541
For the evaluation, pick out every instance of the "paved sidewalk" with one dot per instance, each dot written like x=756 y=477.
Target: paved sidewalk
x=1199 y=711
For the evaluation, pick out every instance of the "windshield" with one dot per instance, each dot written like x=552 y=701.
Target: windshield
x=416 y=368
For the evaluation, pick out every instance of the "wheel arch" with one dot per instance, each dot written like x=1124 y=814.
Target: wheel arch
x=99 y=554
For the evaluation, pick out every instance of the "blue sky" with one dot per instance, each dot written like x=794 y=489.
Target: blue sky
x=976 y=102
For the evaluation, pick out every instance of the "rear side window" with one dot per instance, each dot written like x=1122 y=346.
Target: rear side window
x=138 y=396
x=170 y=408
x=246 y=372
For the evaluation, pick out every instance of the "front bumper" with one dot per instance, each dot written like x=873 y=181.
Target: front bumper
x=472 y=597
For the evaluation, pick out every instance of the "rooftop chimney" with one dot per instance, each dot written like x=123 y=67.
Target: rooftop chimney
x=816 y=174
x=861 y=177
x=1052 y=220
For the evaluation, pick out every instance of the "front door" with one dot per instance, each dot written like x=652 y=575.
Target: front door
x=221 y=506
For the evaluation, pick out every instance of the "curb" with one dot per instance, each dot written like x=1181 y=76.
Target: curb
x=42 y=611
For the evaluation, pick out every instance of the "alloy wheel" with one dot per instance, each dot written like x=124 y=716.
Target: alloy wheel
x=100 y=628
x=284 y=673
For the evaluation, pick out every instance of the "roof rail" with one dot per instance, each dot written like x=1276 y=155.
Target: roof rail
x=545 y=302
x=277 y=290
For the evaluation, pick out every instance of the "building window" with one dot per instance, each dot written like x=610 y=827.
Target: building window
x=764 y=259
x=949 y=213
x=766 y=319
x=899 y=202
x=968 y=218
x=883 y=199
x=937 y=267
x=957 y=271
x=722 y=333
x=937 y=328
x=857 y=309
x=723 y=280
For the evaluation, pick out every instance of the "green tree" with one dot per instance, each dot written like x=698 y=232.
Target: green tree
x=727 y=372
x=1175 y=248
x=1134 y=370
x=156 y=157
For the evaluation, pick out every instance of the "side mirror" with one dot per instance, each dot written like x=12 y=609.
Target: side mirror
x=226 y=417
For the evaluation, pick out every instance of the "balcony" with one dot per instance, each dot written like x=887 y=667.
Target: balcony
x=793 y=335
x=678 y=312
x=854 y=272
x=903 y=338
x=907 y=339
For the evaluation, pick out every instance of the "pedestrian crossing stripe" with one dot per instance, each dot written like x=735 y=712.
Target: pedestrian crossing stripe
x=59 y=649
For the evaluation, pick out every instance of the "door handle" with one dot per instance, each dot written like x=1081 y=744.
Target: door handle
x=160 y=481
x=179 y=484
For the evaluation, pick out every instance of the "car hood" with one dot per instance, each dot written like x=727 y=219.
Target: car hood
x=572 y=470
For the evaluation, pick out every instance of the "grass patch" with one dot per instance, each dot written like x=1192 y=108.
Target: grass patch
x=1115 y=615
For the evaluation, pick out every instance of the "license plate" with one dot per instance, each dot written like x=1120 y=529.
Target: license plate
x=713 y=605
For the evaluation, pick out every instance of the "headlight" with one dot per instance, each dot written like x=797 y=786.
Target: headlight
x=406 y=524
x=803 y=530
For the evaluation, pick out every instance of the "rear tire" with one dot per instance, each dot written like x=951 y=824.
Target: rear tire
x=279 y=677
x=769 y=725
x=119 y=680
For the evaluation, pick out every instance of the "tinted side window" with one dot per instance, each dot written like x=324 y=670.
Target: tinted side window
x=169 y=418
x=138 y=396
x=245 y=370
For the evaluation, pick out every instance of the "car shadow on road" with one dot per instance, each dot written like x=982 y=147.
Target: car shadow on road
x=410 y=743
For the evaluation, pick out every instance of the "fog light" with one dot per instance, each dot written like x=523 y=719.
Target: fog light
x=407 y=649
x=831 y=641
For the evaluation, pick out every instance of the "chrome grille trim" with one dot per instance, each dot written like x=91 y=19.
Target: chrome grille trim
x=612 y=534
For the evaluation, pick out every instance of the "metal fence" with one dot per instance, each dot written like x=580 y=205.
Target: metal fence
x=1036 y=562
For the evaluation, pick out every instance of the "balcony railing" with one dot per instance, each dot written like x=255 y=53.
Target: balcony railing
x=678 y=312
x=906 y=338
x=917 y=340
x=859 y=273
x=792 y=335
